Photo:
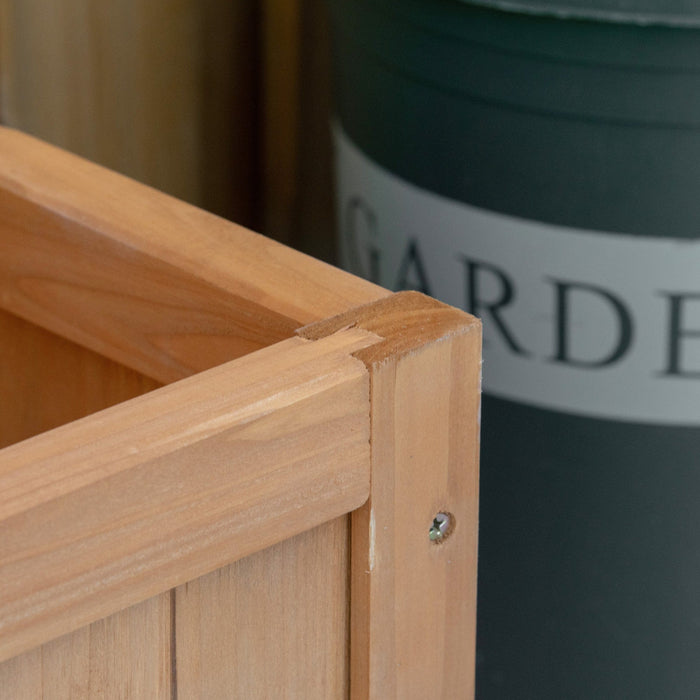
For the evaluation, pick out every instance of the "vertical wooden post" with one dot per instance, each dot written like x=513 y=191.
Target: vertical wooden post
x=413 y=598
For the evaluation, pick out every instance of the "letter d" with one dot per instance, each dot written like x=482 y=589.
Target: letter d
x=562 y=354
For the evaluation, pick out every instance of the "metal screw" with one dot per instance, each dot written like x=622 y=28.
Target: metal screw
x=441 y=527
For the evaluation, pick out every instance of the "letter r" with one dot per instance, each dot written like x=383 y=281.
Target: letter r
x=475 y=272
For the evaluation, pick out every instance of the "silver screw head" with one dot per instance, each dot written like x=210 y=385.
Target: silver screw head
x=440 y=528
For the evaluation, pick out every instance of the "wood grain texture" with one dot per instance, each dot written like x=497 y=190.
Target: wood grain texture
x=109 y=510
x=156 y=284
x=161 y=90
x=126 y=655
x=413 y=609
x=273 y=625
x=46 y=381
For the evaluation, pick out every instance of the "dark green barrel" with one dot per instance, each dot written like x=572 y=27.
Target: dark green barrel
x=538 y=163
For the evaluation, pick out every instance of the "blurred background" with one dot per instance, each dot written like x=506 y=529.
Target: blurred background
x=222 y=103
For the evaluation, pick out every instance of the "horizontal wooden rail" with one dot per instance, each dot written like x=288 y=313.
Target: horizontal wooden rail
x=145 y=279
x=104 y=512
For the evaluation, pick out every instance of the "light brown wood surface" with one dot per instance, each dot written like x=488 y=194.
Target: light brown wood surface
x=413 y=602
x=272 y=625
x=114 y=508
x=224 y=104
x=161 y=90
x=126 y=655
x=149 y=281
x=46 y=381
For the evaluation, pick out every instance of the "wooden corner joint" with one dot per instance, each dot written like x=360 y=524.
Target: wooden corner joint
x=406 y=321
x=413 y=578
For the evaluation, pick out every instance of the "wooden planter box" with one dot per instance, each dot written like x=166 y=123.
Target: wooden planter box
x=221 y=458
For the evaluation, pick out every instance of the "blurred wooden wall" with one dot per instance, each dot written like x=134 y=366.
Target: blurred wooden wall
x=224 y=103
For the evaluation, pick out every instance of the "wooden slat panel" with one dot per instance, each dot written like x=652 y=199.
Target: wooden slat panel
x=142 y=278
x=160 y=90
x=414 y=601
x=273 y=625
x=86 y=76
x=123 y=504
x=126 y=655
x=46 y=381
